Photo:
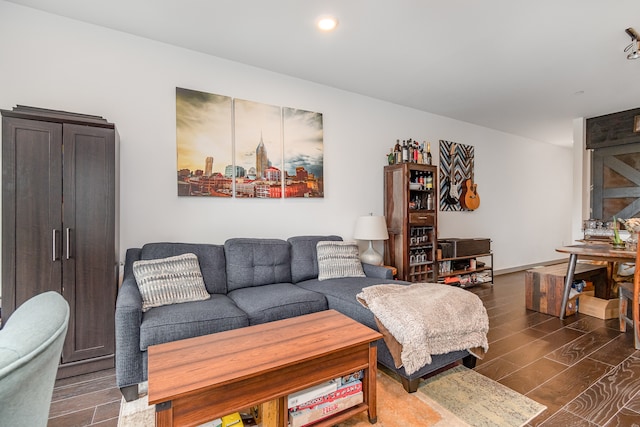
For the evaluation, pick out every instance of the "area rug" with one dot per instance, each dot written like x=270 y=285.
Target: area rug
x=458 y=397
x=137 y=413
x=478 y=400
x=396 y=408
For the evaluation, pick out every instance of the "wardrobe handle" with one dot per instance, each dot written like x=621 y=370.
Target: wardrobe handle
x=68 y=237
x=54 y=245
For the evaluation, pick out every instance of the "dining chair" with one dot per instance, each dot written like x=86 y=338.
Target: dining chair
x=628 y=292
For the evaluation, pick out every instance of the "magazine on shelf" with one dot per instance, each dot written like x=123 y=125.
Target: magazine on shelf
x=313 y=392
x=358 y=375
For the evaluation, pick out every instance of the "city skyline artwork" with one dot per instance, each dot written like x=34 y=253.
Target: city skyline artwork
x=238 y=148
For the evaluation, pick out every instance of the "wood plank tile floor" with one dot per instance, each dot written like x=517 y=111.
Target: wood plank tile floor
x=584 y=370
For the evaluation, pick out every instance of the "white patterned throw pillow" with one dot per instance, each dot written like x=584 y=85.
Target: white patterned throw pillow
x=169 y=280
x=338 y=259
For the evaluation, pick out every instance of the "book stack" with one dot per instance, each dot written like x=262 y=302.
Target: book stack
x=324 y=400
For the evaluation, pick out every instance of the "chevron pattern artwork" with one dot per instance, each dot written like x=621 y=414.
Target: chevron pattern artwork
x=456 y=164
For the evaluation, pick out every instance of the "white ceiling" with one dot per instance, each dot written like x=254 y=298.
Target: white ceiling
x=520 y=66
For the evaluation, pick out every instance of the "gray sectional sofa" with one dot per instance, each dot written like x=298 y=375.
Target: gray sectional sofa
x=251 y=281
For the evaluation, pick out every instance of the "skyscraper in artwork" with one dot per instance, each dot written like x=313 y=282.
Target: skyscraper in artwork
x=208 y=167
x=262 y=160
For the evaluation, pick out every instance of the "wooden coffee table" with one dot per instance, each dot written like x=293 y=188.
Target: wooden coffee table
x=196 y=380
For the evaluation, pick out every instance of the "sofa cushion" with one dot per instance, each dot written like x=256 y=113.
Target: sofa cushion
x=304 y=256
x=341 y=295
x=210 y=257
x=171 y=280
x=338 y=259
x=179 y=321
x=277 y=301
x=257 y=262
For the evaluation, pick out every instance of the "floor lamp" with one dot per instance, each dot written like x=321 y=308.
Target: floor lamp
x=371 y=228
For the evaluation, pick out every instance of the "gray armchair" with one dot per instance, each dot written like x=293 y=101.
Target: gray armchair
x=30 y=347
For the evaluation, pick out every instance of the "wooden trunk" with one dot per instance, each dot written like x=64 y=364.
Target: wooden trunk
x=544 y=286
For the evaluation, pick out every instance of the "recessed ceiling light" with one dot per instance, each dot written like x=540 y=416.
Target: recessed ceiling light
x=327 y=23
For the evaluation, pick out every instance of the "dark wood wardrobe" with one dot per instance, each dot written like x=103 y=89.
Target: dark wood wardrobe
x=60 y=224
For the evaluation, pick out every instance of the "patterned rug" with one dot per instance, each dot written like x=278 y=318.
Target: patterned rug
x=397 y=408
x=458 y=397
x=479 y=400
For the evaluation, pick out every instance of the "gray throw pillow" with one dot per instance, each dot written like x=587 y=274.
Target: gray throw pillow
x=338 y=259
x=169 y=280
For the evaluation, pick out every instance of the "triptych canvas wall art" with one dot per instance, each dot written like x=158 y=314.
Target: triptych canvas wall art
x=230 y=147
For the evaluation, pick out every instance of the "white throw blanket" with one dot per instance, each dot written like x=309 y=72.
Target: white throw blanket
x=428 y=318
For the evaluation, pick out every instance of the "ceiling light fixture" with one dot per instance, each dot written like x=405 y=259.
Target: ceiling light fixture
x=327 y=23
x=633 y=47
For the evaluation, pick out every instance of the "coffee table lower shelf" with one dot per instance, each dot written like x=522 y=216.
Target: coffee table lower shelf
x=270 y=418
x=262 y=365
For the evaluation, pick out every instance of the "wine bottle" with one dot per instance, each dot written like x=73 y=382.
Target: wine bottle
x=429 y=158
x=405 y=152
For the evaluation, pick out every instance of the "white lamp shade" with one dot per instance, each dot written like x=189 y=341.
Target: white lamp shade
x=371 y=228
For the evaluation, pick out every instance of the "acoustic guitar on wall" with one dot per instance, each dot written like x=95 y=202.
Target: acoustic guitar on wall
x=470 y=199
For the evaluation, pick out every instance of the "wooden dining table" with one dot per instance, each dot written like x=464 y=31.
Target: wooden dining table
x=592 y=251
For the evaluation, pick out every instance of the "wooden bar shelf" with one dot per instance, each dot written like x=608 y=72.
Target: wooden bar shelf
x=410 y=208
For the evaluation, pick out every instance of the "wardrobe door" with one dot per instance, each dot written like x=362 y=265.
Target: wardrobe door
x=31 y=210
x=89 y=260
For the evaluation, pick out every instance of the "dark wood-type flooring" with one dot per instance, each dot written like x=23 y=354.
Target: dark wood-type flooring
x=584 y=370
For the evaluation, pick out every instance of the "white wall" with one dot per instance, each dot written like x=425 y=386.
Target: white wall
x=582 y=173
x=53 y=62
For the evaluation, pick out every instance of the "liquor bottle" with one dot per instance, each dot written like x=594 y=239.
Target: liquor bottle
x=397 y=151
x=391 y=157
x=428 y=182
x=416 y=151
x=429 y=158
x=405 y=152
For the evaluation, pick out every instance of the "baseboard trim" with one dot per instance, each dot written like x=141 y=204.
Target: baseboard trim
x=526 y=267
x=73 y=369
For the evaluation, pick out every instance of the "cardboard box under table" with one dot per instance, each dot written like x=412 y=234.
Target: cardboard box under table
x=544 y=286
x=598 y=307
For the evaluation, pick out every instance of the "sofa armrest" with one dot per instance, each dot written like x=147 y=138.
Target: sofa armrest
x=129 y=294
x=128 y=318
x=377 y=271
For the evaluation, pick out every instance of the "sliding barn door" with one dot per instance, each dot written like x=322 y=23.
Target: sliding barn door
x=616 y=182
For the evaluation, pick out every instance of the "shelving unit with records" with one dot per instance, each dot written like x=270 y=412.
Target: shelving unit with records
x=465 y=262
x=466 y=271
x=410 y=208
